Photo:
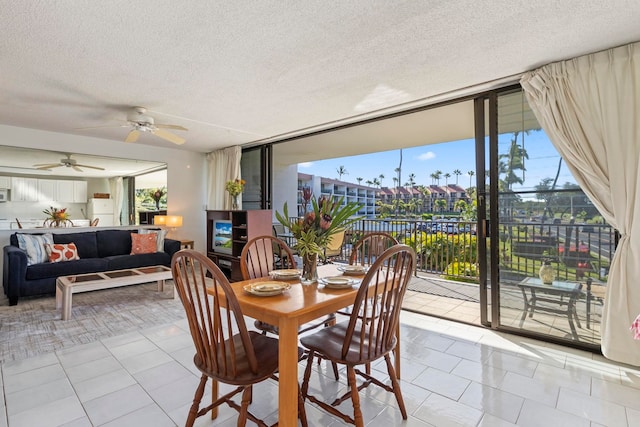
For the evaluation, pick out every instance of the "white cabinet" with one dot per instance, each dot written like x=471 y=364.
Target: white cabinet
x=72 y=191
x=5 y=182
x=24 y=189
x=47 y=190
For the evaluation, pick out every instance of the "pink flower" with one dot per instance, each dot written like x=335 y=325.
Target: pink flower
x=325 y=221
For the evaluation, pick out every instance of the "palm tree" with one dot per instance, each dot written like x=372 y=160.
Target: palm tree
x=381 y=176
x=359 y=179
x=412 y=180
x=395 y=182
x=341 y=171
x=376 y=182
x=438 y=174
x=446 y=179
x=369 y=183
x=433 y=177
x=470 y=173
x=457 y=173
x=441 y=204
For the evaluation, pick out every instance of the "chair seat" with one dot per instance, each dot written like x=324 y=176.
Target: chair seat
x=329 y=342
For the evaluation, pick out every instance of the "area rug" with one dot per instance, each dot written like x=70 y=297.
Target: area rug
x=34 y=326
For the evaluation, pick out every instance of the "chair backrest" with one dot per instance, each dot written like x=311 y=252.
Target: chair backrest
x=220 y=335
x=366 y=250
x=18 y=222
x=334 y=244
x=376 y=311
x=94 y=222
x=263 y=254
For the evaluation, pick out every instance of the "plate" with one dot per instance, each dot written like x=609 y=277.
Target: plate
x=266 y=289
x=338 y=282
x=357 y=270
x=286 y=274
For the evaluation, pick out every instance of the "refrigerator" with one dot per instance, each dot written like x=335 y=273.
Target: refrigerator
x=102 y=209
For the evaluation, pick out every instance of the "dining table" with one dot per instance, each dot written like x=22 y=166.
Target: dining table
x=290 y=309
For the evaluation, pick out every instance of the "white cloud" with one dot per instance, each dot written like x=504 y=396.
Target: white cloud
x=427 y=156
x=305 y=164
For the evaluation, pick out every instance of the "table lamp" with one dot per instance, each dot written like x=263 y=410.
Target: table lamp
x=173 y=221
x=159 y=220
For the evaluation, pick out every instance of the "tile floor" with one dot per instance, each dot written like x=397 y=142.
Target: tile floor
x=452 y=375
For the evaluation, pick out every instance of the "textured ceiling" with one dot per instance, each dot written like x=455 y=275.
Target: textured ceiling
x=237 y=72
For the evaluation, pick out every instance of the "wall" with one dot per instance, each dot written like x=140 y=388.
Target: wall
x=186 y=172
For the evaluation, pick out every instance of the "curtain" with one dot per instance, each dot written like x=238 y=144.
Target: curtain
x=224 y=165
x=117 y=189
x=590 y=108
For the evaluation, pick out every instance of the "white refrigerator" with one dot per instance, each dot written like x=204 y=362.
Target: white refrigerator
x=102 y=209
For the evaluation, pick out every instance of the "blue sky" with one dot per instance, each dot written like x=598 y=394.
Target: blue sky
x=446 y=157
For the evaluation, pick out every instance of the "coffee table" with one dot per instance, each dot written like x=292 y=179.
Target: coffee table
x=66 y=286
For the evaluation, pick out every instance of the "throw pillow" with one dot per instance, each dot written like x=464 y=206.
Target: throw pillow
x=160 y=235
x=33 y=245
x=143 y=243
x=60 y=252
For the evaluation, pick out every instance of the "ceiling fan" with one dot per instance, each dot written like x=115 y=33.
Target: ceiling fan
x=141 y=122
x=68 y=162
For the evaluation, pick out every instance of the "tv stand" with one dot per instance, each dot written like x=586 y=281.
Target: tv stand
x=245 y=225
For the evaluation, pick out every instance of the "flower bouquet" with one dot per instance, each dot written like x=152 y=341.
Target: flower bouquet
x=235 y=188
x=55 y=216
x=156 y=195
x=313 y=231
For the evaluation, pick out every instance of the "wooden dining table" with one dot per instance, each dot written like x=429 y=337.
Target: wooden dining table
x=289 y=310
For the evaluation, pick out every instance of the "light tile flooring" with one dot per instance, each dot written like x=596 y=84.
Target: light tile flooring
x=452 y=375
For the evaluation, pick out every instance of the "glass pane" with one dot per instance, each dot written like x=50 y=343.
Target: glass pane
x=554 y=247
x=252 y=173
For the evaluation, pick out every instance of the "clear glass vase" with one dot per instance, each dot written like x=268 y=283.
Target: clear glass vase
x=234 y=203
x=309 y=269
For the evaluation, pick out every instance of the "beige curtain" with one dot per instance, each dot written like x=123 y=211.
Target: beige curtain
x=117 y=189
x=224 y=165
x=590 y=108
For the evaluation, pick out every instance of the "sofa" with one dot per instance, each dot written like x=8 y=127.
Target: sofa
x=101 y=250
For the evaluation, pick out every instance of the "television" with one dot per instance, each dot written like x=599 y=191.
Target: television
x=222 y=239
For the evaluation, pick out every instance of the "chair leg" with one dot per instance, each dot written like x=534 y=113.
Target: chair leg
x=193 y=411
x=396 y=387
x=302 y=413
x=307 y=375
x=244 y=408
x=355 y=397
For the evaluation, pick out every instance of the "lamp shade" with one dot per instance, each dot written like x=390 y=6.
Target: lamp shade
x=159 y=219
x=173 y=221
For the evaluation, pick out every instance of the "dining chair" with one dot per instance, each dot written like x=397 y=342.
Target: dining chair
x=225 y=350
x=18 y=223
x=94 y=222
x=368 y=335
x=369 y=247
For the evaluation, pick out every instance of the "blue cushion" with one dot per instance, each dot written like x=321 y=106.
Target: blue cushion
x=114 y=242
x=86 y=243
x=34 y=246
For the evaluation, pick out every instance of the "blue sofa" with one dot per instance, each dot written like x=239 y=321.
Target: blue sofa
x=101 y=250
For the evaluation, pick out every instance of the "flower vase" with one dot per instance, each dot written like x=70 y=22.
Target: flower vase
x=234 y=202
x=157 y=205
x=309 y=269
x=547 y=273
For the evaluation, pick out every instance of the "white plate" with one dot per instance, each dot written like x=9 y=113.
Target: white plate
x=266 y=289
x=338 y=282
x=286 y=274
x=356 y=270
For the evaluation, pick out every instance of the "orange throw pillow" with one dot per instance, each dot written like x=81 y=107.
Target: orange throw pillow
x=60 y=252
x=143 y=243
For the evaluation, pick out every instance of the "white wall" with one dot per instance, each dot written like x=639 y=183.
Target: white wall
x=186 y=172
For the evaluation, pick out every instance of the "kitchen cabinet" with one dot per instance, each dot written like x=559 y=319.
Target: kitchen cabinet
x=5 y=182
x=24 y=189
x=47 y=190
x=72 y=191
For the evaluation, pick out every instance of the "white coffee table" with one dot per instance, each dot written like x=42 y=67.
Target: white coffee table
x=66 y=286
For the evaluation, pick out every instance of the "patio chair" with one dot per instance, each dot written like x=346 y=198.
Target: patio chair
x=370 y=333
x=334 y=246
x=225 y=350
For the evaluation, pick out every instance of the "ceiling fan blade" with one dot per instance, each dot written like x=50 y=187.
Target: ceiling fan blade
x=176 y=127
x=43 y=166
x=169 y=136
x=90 y=167
x=76 y=168
x=102 y=127
x=132 y=136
